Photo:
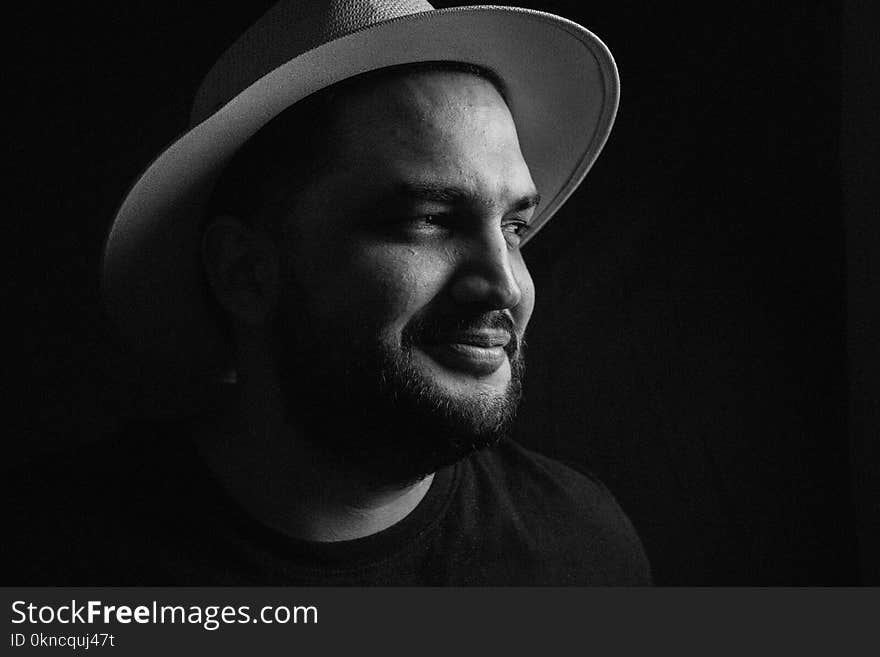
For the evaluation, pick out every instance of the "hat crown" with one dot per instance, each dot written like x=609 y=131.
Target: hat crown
x=290 y=28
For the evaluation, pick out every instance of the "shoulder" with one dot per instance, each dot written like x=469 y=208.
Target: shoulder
x=73 y=479
x=109 y=470
x=568 y=510
x=72 y=517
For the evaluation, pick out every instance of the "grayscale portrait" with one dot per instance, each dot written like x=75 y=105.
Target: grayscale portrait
x=378 y=293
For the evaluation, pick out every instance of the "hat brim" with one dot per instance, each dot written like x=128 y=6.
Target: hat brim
x=561 y=85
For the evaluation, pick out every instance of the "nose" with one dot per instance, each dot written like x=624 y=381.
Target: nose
x=487 y=277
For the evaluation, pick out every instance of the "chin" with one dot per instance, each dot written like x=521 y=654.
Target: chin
x=392 y=412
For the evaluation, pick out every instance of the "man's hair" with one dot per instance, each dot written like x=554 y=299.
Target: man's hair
x=290 y=151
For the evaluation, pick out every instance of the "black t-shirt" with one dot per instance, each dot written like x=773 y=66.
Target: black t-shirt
x=144 y=510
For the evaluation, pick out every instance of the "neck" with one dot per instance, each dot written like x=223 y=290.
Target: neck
x=270 y=470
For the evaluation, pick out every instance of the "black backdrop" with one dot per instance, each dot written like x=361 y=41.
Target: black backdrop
x=689 y=338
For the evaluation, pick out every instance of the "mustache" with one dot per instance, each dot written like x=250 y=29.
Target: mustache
x=436 y=328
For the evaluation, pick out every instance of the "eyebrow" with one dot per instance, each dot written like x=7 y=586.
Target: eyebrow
x=426 y=191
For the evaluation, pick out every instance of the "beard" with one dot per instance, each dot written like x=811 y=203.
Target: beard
x=366 y=407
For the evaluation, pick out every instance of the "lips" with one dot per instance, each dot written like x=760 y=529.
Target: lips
x=479 y=353
x=485 y=339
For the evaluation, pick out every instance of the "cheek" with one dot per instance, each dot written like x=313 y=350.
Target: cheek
x=523 y=312
x=381 y=286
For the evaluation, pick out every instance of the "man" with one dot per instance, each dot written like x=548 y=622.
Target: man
x=346 y=240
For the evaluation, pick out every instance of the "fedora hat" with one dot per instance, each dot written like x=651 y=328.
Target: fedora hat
x=560 y=82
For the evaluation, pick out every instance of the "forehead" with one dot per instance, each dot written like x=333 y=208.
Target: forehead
x=436 y=124
x=417 y=99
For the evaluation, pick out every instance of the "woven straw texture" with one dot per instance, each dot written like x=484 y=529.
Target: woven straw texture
x=287 y=30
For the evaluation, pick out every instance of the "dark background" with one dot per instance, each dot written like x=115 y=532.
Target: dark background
x=701 y=339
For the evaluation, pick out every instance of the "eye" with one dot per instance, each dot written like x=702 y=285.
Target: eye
x=516 y=226
x=429 y=221
x=422 y=225
x=515 y=230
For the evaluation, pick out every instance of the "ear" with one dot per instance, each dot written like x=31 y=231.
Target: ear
x=241 y=265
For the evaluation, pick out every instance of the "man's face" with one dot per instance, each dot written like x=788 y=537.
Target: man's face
x=400 y=328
